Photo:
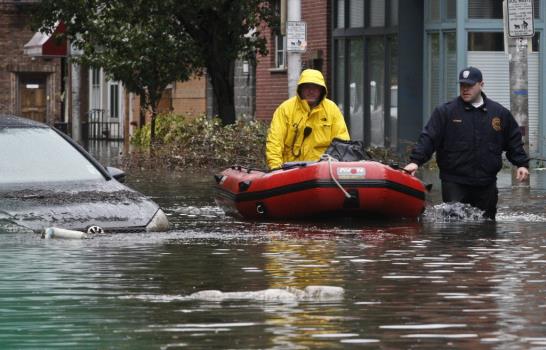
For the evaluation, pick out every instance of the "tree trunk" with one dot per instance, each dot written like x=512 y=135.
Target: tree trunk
x=152 y=129
x=142 y=115
x=222 y=79
x=154 y=96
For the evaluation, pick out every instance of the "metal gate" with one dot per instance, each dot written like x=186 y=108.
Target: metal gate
x=102 y=127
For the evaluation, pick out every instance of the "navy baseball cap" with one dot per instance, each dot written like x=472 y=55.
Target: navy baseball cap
x=470 y=75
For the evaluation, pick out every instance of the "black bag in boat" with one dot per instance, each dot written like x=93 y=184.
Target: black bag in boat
x=347 y=151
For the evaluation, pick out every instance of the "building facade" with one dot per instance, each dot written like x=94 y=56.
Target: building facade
x=393 y=61
x=271 y=70
x=30 y=86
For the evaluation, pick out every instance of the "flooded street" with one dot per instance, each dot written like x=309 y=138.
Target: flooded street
x=433 y=284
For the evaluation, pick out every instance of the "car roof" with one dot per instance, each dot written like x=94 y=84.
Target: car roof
x=12 y=121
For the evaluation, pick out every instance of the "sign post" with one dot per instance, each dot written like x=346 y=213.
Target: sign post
x=519 y=26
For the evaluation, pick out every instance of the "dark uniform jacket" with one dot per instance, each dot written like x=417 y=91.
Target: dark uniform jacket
x=469 y=141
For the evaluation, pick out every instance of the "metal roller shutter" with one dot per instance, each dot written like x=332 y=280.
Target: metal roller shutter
x=494 y=67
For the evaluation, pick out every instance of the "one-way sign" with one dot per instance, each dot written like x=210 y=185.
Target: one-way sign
x=520 y=18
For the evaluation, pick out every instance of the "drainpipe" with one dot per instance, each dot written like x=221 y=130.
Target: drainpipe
x=293 y=58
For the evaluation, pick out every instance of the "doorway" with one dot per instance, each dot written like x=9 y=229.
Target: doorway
x=33 y=97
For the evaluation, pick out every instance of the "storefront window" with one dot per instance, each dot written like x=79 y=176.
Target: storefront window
x=434 y=10
x=340 y=14
x=451 y=9
x=485 y=41
x=365 y=67
x=494 y=41
x=394 y=13
x=339 y=91
x=450 y=64
x=377 y=13
x=393 y=88
x=356 y=19
x=493 y=9
x=376 y=98
x=484 y=9
x=356 y=110
x=434 y=70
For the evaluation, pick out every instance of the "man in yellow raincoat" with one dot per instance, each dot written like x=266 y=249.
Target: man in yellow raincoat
x=304 y=125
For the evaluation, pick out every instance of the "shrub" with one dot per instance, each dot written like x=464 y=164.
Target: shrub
x=183 y=142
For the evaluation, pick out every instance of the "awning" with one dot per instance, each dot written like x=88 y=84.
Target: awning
x=47 y=45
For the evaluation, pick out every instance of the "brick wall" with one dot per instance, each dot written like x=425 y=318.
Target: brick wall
x=15 y=32
x=272 y=85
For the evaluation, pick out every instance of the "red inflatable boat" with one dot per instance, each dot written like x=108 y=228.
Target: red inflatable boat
x=364 y=188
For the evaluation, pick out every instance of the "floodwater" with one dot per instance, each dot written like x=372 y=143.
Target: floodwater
x=442 y=282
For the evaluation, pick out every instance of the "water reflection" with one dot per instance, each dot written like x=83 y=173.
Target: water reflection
x=430 y=284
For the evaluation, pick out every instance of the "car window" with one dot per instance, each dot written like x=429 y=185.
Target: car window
x=41 y=155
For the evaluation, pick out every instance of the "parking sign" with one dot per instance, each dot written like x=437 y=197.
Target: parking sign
x=520 y=18
x=296 y=36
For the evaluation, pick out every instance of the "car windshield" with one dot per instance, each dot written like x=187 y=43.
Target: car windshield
x=41 y=155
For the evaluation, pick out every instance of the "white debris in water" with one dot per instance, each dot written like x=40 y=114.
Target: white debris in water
x=207 y=211
x=424 y=326
x=334 y=335
x=323 y=292
x=290 y=294
x=359 y=341
x=286 y=295
x=520 y=217
x=446 y=336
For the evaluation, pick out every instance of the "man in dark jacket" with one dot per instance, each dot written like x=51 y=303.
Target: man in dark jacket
x=469 y=135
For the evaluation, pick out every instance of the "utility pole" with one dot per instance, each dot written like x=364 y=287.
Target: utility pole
x=75 y=91
x=295 y=44
x=519 y=28
x=75 y=98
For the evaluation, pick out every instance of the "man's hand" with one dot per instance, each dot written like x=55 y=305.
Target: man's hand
x=522 y=173
x=411 y=168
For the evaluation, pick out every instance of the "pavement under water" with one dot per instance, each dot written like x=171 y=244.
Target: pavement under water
x=213 y=281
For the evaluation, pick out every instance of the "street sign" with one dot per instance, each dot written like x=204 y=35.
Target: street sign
x=520 y=18
x=296 y=36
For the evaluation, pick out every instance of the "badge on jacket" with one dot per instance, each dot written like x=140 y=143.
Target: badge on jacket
x=496 y=124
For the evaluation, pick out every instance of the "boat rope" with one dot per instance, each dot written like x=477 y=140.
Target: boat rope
x=329 y=159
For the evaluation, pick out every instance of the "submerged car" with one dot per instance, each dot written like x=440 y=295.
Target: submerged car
x=48 y=180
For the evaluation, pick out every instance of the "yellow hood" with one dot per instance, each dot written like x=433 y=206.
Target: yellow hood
x=313 y=76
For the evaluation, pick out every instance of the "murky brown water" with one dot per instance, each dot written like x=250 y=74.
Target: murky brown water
x=432 y=284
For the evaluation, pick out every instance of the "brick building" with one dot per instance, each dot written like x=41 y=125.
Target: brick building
x=271 y=72
x=30 y=86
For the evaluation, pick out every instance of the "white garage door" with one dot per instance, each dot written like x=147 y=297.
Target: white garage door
x=494 y=67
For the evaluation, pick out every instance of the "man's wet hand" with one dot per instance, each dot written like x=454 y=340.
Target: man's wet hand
x=522 y=174
x=411 y=168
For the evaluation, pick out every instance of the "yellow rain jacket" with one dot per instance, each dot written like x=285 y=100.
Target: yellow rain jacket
x=298 y=133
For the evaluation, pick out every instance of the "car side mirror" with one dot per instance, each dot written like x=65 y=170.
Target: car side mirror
x=116 y=173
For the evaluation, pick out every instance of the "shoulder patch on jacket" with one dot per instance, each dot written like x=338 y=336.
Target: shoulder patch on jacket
x=496 y=123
